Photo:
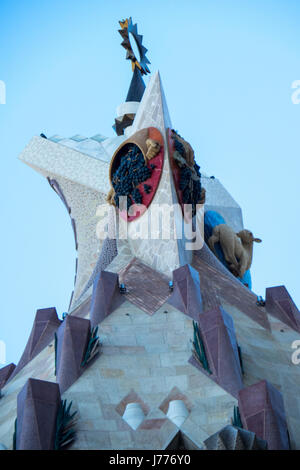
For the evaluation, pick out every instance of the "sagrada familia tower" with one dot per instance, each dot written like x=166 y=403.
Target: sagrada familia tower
x=164 y=345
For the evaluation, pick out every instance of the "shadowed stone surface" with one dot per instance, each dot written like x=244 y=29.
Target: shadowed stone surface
x=106 y=296
x=232 y=438
x=72 y=340
x=280 y=304
x=220 y=200
x=182 y=442
x=186 y=296
x=218 y=335
x=55 y=186
x=5 y=373
x=262 y=412
x=219 y=285
x=83 y=309
x=45 y=324
x=37 y=407
x=73 y=224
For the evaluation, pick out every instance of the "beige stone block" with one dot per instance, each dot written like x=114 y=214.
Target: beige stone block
x=128 y=383
x=180 y=381
x=120 y=361
x=123 y=339
x=111 y=373
x=120 y=440
x=105 y=425
x=175 y=359
x=195 y=433
x=163 y=371
x=138 y=372
x=90 y=409
x=83 y=384
x=80 y=442
x=98 y=440
x=85 y=425
x=152 y=384
x=187 y=369
x=154 y=399
x=147 y=439
x=177 y=326
x=157 y=327
x=108 y=390
x=151 y=338
x=150 y=360
x=157 y=348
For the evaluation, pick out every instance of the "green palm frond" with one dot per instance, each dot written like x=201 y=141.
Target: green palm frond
x=92 y=347
x=199 y=349
x=65 y=422
x=236 y=420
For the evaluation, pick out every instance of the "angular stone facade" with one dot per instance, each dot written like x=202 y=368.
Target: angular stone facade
x=146 y=334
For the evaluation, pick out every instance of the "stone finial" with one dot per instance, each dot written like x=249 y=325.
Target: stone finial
x=218 y=335
x=72 y=340
x=45 y=324
x=262 y=412
x=280 y=304
x=37 y=407
x=106 y=296
x=186 y=295
x=5 y=373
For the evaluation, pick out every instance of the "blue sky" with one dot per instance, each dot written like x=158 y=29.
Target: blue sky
x=227 y=69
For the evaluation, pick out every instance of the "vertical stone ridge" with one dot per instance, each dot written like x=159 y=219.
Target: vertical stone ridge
x=37 y=407
x=218 y=335
x=186 y=295
x=45 y=324
x=106 y=296
x=72 y=339
x=262 y=412
x=280 y=304
x=5 y=373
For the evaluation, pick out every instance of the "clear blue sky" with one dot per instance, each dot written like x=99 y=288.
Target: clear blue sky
x=227 y=68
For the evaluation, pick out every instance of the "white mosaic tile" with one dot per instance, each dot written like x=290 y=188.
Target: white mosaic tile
x=71 y=164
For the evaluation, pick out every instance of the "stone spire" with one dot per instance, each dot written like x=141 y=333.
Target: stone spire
x=164 y=255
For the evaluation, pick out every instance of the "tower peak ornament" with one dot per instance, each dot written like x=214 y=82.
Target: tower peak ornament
x=133 y=41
